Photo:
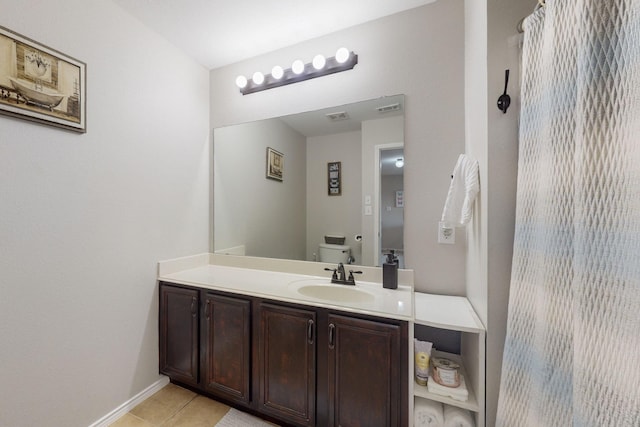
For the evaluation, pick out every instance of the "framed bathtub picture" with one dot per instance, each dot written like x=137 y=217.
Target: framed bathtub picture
x=275 y=164
x=40 y=84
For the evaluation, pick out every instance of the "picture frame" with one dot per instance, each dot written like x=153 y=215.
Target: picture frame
x=40 y=84
x=275 y=164
x=334 y=178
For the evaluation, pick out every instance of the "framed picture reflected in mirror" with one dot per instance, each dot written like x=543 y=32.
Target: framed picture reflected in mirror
x=334 y=175
x=275 y=164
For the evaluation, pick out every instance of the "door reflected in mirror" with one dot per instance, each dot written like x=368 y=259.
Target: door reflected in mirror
x=298 y=217
x=391 y=206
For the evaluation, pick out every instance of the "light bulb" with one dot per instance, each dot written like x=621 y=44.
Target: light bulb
x=399 y=163
x=297 y=67
x=277 y=72
x=342 y=55
x=318 y=62
x=241 y=81
x=258 y=78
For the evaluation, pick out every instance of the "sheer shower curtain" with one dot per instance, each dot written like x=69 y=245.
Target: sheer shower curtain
x=572 y=351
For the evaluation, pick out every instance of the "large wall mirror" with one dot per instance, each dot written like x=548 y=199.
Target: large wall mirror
x=324 y=185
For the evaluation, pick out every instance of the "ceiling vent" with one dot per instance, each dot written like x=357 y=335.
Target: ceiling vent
x=338 y=116
x=388 y=108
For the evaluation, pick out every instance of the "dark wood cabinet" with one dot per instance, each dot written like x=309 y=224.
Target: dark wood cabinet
x=364 y=372
x=205 y=341
x=287 y=363
x=179 y=333
x=302 y=365
x=227 y=347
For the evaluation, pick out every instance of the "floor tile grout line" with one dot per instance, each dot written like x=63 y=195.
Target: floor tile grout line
x=177 y=411
x=141 y=419
x=175 y=414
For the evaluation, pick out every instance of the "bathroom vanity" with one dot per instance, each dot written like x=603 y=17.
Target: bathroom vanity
x=278 y=339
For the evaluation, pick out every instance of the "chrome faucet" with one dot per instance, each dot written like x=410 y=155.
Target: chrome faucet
x=342 y=275
x=339 y=275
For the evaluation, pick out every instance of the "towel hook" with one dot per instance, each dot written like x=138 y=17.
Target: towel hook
x=504 y=100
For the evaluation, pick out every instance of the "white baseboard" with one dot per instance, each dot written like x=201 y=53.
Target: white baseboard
x=236 y=250
x=113 y=416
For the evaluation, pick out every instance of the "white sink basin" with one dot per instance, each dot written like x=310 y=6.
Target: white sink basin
x=323 y=289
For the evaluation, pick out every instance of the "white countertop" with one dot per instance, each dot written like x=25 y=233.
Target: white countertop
x=282 y=286
x=446 y=312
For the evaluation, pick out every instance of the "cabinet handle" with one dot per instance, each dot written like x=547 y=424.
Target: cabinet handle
x=332 y=329
x=310 y=331
x=193 y=307
x=206 y=309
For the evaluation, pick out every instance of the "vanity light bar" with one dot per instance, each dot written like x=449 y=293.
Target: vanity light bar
x=343 y=61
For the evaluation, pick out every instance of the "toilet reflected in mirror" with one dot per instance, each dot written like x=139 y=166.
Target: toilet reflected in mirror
x=334 y=251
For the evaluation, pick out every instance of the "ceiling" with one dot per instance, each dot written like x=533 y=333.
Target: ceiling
x=316 y=123
x=351 y=116
x=221 y=32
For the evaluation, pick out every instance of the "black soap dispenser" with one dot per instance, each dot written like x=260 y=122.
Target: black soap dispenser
x=390 y=272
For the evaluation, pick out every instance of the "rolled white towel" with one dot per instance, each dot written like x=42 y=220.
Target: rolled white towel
x=457 y=417
x=428 y=413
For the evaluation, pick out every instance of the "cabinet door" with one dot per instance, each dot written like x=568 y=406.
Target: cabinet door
x=286 y=359
x=179 y=333
x=364 y=360
x=226 y=345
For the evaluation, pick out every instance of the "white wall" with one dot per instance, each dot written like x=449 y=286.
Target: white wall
x=333 y=214
x=404 y=53
x=266 y=216
x=492 y=138
x=85 y=218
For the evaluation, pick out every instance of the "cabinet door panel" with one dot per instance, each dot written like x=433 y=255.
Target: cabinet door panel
x=227 y=348
x=364 y=373
x=287 y=363
x=179 y=333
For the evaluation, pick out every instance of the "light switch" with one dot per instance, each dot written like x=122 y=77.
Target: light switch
x=368 y=210
x=367 y=200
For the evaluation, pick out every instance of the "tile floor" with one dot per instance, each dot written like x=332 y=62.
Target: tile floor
x=174 y=406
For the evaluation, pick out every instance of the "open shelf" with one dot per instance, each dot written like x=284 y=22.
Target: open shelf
x=471 y=403
x=451 y=323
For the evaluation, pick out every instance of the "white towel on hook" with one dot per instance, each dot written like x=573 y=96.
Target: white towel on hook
x=465 y=184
